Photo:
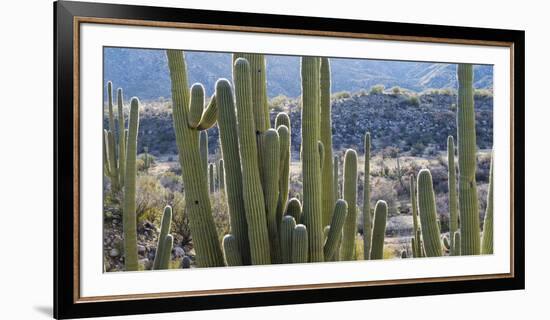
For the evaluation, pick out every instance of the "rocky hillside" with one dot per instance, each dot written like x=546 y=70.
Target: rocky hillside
x=144 y=73
x=414 y=124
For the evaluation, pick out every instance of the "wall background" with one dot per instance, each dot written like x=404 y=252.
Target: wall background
x=26 y=158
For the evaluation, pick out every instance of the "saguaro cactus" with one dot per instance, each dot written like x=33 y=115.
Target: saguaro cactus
x=252 y=189
x=166 y=253
x=231 y=251
x=487 y=240
x=456 y=249
x=271 y=154
x=221 y=176
x=367 y=217
x=335 y=233
x=227 y=124
x=121 y=138
x=203 y=148
x=453 y=205
x=327 y=171
x=335 y=177
x=379 y=230
x=212 y=181
x=205 y=237
x=165 y=223
x=284 y=168
x=414 y=207
x=294 y=209
x=311 y=162
x=350 y=195
x=467 y=187
x=300 y=244
x=129 y=222
x=431 y=234
x=287 y=229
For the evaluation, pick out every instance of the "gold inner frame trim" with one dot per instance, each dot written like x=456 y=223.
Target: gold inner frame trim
x=147 y=23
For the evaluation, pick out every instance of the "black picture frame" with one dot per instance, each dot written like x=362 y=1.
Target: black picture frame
x=66 y=193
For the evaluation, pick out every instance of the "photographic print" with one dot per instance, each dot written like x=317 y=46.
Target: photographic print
x=216 y=159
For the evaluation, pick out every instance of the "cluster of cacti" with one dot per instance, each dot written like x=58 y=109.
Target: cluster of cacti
x=114 y=142
x=265 y=225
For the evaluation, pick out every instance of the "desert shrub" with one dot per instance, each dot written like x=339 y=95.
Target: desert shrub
x=150 y=198
x=220 y=211
x=396 y=90
x=362 y=93
x=180 y=220
x=341 y=95
x=483 y=167
x=417 y=149
x=483 y=93
x=171 y=181
x=382 y=189
x=279 y=103
x=377 y=89
x=414 y=100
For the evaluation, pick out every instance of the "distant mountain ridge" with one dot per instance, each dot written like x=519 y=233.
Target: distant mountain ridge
x=144 y=73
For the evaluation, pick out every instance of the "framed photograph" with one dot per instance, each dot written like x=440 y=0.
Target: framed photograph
x=209 y=160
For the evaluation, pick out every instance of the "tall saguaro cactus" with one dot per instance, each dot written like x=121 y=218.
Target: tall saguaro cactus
x=431 y=234
x=121 y=137
x=350 y=195
x=227 y=124
x=367 y=217
x=487 y=239
x=453 y=205
x=165 y=223
x=201 y=222
x=129 y=222
x=379 y=230
x=284 y=167
x=271 y=154
x=311 y=162
x=416 y=228
x=467 y=187
x=327 y=171
x=253 y=195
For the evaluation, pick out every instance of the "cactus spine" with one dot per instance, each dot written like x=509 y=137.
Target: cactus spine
x=129 y=222
x=300 y=244
x=379 y=230
x=487 y=240
x=311 y=162
x=428 y=217
x=233 y=180
x=287 y=229
x=271 y=157
x=205 y=237
x=453 y=205
x=327 y=173
x=350 y=195
x=166 y=224
x=252 y=189
x=335 y=233
x=467 y=188
x=231 y=251
x=367 y=217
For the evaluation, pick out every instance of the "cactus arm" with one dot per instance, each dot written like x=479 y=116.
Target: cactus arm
x=165 y=223
x=287 y=229
x=271 y=152
x=231 y=251
x=379 y=230
x=210 y=115
x=121 y=138
x=284 y=170
x=327 y=173
x=350 y=195
x=467 y=187
x=211 y=178
x=367 y=217
x=300 y=244
x=453 y=205
x=201 y=222
x=106 y=155
x=253 y=194
x=335 y=232
x=129 y=222
x=431 y=235
x=487 y=240
x=282 y=119
x=196 y=105
x=311 y=164
x=227 y=124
